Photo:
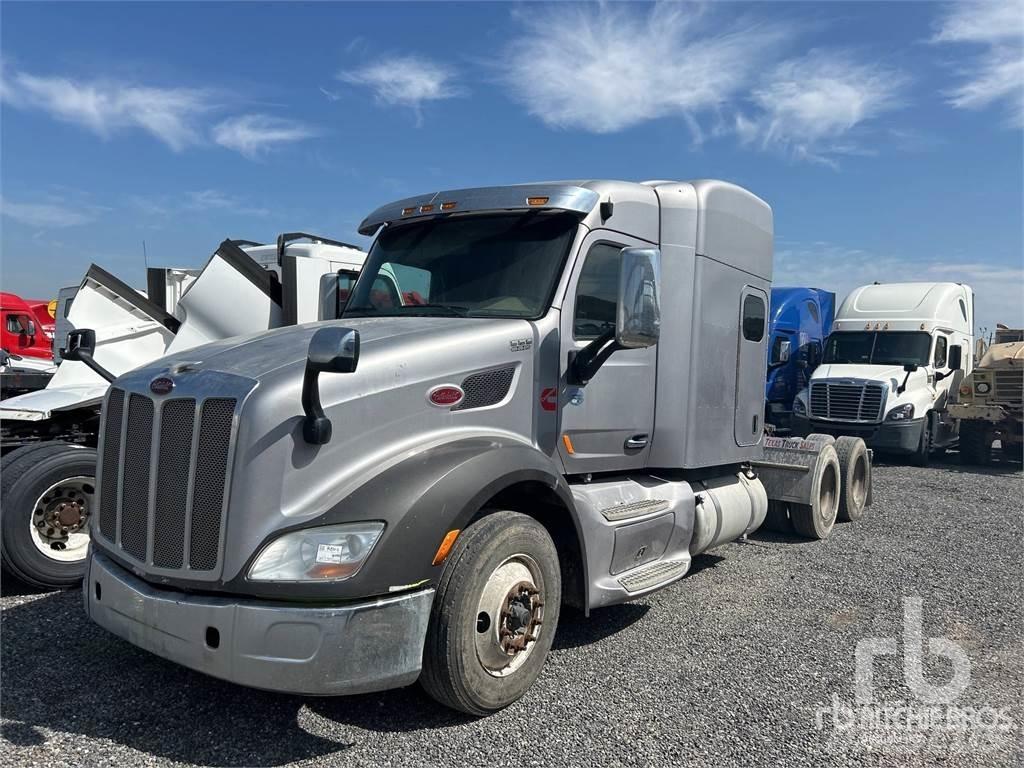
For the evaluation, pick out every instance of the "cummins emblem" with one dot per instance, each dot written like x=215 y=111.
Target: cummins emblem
x=520 y=345
x=445 y=396
x=161 y=385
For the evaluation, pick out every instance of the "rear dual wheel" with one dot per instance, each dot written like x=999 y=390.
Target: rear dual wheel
x=815 y=520
x=494 y=614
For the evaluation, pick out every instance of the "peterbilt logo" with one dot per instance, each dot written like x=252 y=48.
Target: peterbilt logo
x=161 y=385
x=445 y=396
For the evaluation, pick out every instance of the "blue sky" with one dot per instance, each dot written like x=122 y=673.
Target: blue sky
x=886 y=136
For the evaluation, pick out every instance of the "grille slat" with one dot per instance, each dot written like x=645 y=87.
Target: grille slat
x=135 y=489
x=208 y=493
x=846 y=402
x=486 y=388
x=175 y=454
x=111 y=464
x=1009 y=386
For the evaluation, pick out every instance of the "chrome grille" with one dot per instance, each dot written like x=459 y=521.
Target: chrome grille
x=846 y=402
x=1009 y=386
x=162 y=492
x=486 y=388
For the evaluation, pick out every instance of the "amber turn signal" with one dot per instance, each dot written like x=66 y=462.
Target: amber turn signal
x=446 y=547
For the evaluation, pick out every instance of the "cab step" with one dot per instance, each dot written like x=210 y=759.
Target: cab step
x=634 y=509
x=653 y=575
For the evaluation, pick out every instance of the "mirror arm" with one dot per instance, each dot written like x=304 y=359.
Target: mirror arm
x=316 y=428
x=585 y=363
x=87 y=358
x=903 y=387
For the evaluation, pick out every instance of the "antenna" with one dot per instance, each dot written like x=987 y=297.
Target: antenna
x=145 y=257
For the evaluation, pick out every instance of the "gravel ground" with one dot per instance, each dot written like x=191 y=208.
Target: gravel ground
x=728 y=666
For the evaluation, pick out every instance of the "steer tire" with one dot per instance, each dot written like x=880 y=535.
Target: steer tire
x=26 y=474
x=975 y=443
x=815 y=520
x=464 y=631
x=922 y=456
x=854 y=475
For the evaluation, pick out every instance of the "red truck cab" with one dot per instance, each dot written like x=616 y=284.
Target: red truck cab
x=21 y=332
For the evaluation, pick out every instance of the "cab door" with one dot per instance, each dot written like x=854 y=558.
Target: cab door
x=606 y=425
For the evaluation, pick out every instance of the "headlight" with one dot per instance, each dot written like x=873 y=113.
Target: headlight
x=982 y=387
x=799 y=408
x=331 y=553
x=901 y=412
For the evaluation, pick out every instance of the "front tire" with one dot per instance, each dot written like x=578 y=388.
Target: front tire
x=494 y=615
x=922 y=455
x=975 y=443
x=47 y=494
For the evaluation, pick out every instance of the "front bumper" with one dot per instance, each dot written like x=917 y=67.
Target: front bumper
x=887 y=437
x=306 y=649
x=975 y=412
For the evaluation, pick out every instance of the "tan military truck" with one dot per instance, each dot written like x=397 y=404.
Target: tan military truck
x=991 y=405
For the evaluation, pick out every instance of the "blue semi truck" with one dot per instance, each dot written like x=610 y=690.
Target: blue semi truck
x=801 y=319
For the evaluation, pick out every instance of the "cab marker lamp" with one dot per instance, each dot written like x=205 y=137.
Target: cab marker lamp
x=330 y=553
x=901 y=412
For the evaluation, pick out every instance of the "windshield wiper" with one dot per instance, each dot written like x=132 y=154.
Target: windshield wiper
x=455 y=310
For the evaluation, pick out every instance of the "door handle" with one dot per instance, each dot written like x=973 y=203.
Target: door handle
x=637 y=441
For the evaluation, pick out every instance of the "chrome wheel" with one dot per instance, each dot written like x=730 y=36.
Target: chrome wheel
x=60 y=519
x=510 y=615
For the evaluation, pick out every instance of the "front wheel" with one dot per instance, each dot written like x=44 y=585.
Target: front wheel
x=47 y=495
x=922 y=455
x=494 y=615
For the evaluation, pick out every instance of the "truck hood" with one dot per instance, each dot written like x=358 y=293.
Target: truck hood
x=380 y=413
x=261 y=355
x=886 y=374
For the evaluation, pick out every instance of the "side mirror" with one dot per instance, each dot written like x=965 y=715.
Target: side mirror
x=331 y=350
x=955 y=361
x=638 y=319
x=80 y=347
x=910 y=367
x=781 y=351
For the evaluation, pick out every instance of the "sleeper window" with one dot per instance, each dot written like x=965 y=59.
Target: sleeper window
x=753 y=318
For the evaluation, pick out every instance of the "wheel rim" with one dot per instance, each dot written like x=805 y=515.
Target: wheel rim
x=509 y=615
x=60 y=519
x=859 y=482
x=827 y=494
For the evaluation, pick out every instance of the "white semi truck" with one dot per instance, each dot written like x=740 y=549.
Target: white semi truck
x=893 y=364
x=49 y=436
x=571 y=409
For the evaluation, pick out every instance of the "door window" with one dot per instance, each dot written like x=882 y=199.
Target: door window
x=597 y=292
x=940 y=352
x=753 y=317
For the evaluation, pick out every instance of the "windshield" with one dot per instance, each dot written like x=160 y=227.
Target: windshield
x=879 y=348
x=503 y=265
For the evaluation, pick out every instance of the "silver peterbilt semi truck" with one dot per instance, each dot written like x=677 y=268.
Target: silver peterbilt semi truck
x=563 y=403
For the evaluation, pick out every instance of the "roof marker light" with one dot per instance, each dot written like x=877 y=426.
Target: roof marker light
x=426 y=208
x=407 y=211
x=537 y=200
x=448 y=206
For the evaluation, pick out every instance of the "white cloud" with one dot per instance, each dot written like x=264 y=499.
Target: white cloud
x=212 y=199
x=996 y=74
x=252 y=135
x=811 y=105
x=406 y=81
x=997 y=287
x=107 y=107
x=606 y=68
x=48 y=215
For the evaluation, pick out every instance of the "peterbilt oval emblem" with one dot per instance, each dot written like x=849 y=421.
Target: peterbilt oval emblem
x=445 y=396
x=161 y=386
